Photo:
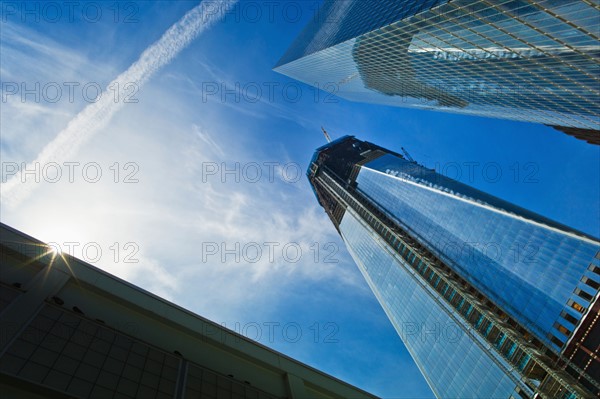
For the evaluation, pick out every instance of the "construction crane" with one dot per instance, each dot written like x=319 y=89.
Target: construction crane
x=407 y=155
x=326 y=134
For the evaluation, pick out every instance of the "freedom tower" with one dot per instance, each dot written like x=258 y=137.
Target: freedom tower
x=490 y=299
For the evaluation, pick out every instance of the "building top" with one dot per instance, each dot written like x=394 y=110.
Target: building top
x=345 y=155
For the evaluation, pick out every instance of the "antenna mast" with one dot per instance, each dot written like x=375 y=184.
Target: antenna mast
x=407 y=155
x=326 y=134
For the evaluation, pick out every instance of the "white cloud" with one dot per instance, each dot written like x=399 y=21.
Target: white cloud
x=205 y=137
x=171 y=212
x=97 y=115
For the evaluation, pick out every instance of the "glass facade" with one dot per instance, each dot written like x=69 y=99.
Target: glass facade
x=529 y=266
x=454 y=365
x=535 y=61
x=489 y=298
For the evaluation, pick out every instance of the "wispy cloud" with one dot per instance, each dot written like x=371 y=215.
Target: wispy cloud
x=174 y=212
x=205 y=137
x=26 y=50
x=220 y=86
x=97 y=115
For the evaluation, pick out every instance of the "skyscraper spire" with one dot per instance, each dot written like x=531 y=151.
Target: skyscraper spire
x=326 y=134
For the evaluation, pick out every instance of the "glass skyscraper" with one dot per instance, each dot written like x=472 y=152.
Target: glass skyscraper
x=490 y=299
x=535 y=60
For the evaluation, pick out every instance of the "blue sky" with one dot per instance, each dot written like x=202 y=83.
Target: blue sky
x=216 y=105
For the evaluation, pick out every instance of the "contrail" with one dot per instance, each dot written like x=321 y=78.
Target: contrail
x=97 y=115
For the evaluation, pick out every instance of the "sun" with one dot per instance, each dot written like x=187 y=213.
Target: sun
x=54 y=248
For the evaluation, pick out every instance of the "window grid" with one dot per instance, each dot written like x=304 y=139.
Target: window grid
x=533 y=61
x=71 y=354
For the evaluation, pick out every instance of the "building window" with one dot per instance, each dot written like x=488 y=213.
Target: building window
x=556 y=341
x=562 y=329
x=576 y=306
x=569 y=317
x=583 y=294
x=590 y=282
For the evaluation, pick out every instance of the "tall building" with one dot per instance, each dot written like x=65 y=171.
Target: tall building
x=490 y=299
x=70 y=330
x=535 y=61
